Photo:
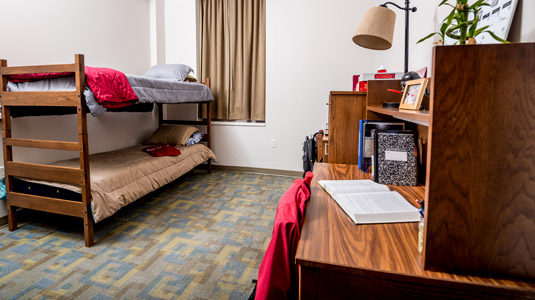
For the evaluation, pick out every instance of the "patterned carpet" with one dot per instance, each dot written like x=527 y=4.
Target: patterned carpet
x=200 y=237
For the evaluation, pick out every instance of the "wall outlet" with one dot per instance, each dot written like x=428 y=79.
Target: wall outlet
x=134 y=142
x=273 y=143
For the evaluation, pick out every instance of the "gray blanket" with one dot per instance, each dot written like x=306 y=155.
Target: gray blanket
x=58 y=84
x=152 y=90
x=148 y=90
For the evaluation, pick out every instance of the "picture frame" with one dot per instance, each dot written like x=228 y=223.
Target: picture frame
x=413 y=94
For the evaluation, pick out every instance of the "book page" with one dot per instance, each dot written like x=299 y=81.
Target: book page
x=334 y=187
x=378 y=207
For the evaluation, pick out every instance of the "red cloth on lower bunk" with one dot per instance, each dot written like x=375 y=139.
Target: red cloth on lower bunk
x=162 y=150
x=111 y=87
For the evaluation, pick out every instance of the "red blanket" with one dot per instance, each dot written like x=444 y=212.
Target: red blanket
x=162 y=150
x=111 y=88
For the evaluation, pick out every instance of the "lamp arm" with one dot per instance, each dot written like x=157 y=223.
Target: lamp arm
x=407 y=9
x=413 y=9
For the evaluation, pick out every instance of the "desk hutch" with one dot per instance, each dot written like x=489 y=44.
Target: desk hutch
x=479 y=232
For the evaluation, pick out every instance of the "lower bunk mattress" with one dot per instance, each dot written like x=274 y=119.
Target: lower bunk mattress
x=120 y=177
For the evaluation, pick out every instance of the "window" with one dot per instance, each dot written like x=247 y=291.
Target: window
x=232 y=51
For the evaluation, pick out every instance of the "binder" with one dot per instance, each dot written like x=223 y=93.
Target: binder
x=394 y=157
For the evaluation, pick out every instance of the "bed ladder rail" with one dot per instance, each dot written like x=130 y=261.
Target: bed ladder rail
x=70 y=68
x=75 y=176
x=51 y=205
x=53 y=98
x=65 y=99
x=44 y=144
x=45 y=172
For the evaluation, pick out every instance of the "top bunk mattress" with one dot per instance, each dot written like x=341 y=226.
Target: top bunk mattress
x=122 y=176
x=155 y=90
x=148 y=90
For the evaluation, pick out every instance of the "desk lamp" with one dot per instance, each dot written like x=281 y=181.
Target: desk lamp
x=377 y=28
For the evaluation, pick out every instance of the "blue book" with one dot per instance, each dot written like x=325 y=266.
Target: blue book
x=361 y=142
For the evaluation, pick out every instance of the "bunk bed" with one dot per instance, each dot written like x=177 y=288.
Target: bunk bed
x=73 y=177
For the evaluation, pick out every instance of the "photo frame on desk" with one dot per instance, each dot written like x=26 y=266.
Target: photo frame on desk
x=413 y=94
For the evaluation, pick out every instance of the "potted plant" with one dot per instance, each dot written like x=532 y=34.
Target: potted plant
x=461 y=23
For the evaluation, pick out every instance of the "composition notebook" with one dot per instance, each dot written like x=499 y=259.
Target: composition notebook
x=394 y=157
x=367 y=202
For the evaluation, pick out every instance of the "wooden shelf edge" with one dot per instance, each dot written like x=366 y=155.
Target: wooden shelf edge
x=421 y=117
x=348 y=93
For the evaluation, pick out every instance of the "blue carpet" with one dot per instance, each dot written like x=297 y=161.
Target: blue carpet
x=200 y=237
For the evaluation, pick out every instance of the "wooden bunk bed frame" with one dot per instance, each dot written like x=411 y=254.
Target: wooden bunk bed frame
x=78 y=176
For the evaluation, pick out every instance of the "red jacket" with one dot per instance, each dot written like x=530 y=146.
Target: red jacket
x=278 y=277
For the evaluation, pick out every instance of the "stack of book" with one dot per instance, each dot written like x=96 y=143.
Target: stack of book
x=388 y=152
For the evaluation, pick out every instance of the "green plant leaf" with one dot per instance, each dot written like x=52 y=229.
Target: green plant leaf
x=443 y=28
x=450 y=17
x=472 y=29
x=426 y=37
x=442 y=38
x=496 y=37
x=445 y=2
x=480 y=30
x=478 y=3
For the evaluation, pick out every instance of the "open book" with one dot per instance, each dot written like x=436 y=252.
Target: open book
x=367 y=202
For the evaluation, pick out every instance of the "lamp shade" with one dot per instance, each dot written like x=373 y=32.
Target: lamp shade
x=376 y=29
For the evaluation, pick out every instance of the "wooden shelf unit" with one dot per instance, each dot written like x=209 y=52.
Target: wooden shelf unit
x=322 y=141
x=420 y=117
x=480 y=177
x=345 y=111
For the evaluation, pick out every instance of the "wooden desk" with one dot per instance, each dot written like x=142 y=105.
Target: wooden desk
x=340 y=260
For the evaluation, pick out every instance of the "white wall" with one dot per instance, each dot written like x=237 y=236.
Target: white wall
x=180 y=37
x=309 y=53
x=113 y=34
x=523 y=27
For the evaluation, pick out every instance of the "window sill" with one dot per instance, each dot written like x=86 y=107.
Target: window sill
x=238 y=123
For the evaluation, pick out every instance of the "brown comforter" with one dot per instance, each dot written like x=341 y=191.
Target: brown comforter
x=121 y=176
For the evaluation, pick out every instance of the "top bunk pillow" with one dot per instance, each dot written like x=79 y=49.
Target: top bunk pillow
x=172 y=135
x=176 y=72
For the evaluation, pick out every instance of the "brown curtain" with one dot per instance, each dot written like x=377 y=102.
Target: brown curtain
x=232 y=53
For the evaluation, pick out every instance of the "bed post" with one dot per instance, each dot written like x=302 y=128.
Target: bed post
x=8 y=149
x=160 y=114
x=84 y=150
x=209 y=125
x=209 y=131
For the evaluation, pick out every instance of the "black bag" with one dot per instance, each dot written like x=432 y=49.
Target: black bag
x=309 y=153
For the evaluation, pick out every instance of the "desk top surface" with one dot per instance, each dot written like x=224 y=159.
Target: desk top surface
x=330 y=240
